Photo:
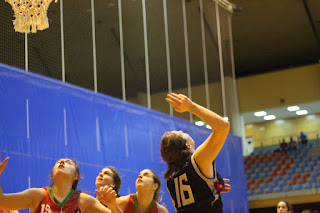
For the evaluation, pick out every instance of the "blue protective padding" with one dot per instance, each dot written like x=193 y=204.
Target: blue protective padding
x=97 y=131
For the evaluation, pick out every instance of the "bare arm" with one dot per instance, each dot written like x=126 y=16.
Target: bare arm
x=29 y=198
x=210 y=148
x=90 y=204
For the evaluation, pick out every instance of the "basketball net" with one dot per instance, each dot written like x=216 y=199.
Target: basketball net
x=30 y=14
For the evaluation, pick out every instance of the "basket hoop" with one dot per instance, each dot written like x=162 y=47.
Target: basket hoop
x=30 y=15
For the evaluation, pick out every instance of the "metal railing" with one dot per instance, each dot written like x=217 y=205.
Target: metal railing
x=276 y=140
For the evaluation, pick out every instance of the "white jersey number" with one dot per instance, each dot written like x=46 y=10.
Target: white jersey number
x=45 y=208
x=182 y=189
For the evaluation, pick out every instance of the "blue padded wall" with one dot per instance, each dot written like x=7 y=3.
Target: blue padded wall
x=42 y=120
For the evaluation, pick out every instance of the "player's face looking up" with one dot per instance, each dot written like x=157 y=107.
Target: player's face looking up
x=282 y=208
x=145 y=179
x=105 y=177
x=65 y=166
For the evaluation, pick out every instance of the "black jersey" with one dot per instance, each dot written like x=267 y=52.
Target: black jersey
x=191 y=191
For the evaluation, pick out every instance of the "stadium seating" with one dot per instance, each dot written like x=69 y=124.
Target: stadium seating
x=269 y=172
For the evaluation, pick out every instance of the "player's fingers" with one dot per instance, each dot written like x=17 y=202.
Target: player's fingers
x=170 y=101
x=226 y=180
x=98 y=193
x=176 y=99
x=177 y=96
x=109 y=190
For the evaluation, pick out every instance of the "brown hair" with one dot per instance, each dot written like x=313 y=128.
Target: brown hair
x=174 y=151
x=157 y=180
x=115 y=178
x=75 y=183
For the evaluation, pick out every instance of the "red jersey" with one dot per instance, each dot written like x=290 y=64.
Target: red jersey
x=132 y=206
x=50 y=204
x=4 y=211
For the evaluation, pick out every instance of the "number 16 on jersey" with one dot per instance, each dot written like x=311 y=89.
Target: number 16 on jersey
x=183 y=191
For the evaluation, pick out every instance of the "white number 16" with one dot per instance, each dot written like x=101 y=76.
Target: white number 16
x=183 y=188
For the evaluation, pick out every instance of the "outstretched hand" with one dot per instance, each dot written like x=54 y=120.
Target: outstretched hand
x=3 y=164
x=227 y=187
x=179 y=102
x=106 y=195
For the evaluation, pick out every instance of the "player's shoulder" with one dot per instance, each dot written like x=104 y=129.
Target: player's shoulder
x=85 y=199
x=161 y=208
x=123 y=201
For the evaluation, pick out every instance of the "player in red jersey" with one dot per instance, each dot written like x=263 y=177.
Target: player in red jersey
x=109 y=176
x=62 y=197
x=144 y=201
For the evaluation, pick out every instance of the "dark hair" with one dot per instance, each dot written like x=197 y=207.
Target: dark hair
x=115 y=178
x=287 y=204
x=174 y=151
x=157 y=180
x=75 y=183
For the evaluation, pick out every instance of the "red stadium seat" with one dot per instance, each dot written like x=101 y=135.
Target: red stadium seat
x=306 y=175
x=293 y=182
x=302 y=180
x=282 y=162
x=256 y=186
x=291 y=161
x=269 y=159
x=297 y=176
x=286 y=157
x=286 y=166
x=250 y=182
x=277 y=168
x=274 y=173
x=283 y=172
x=270 y=179
x=261 y=180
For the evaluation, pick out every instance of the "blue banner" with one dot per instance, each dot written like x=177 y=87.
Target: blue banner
x=42 y=120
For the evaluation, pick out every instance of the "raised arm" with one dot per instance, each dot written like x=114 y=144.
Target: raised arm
x=21 y=200
x=210 y=148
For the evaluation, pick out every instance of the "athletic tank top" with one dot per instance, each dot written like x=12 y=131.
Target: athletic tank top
x=50 y=204
x=194 y=192
x=132 y=205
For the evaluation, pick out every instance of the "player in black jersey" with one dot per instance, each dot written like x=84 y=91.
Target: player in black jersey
x=192 y=179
